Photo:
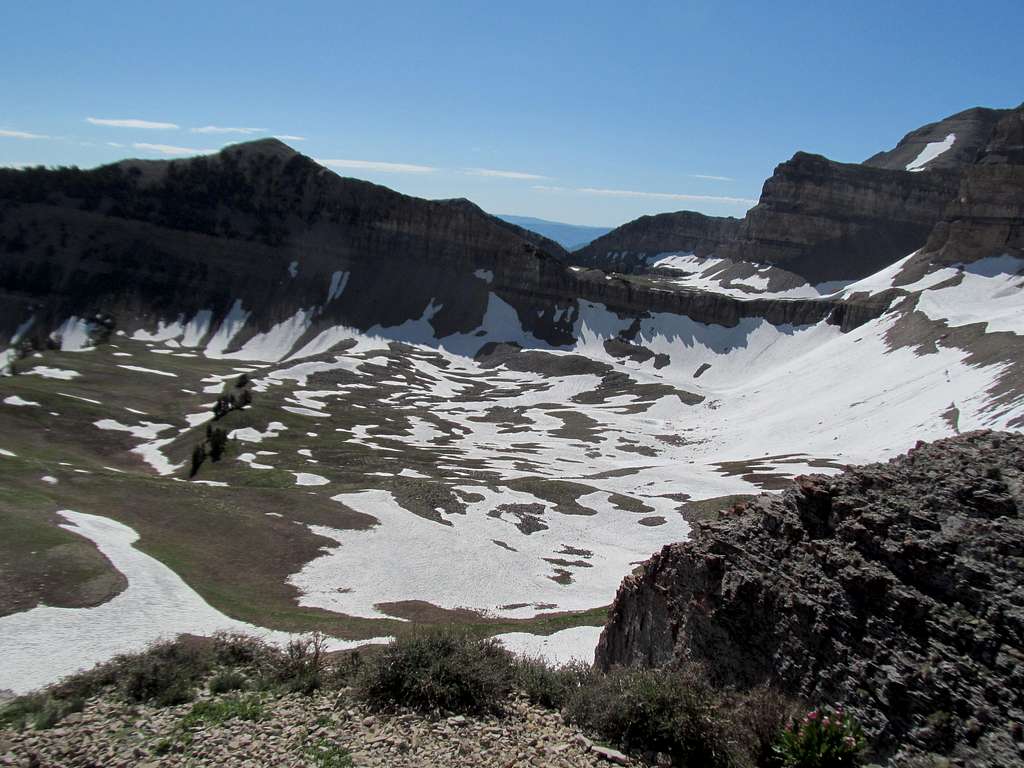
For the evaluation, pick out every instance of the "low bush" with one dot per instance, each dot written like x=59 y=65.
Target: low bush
x=823 y=738
x=437 y=672
x=218 y=711
x=226 y=681
x=300 y=668
x=551 y=686
x=326 y=754
x=38 y=711
x=165 y=674
x=675 y=711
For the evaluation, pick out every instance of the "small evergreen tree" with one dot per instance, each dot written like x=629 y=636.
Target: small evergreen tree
x=198 y=457
x=218 y=441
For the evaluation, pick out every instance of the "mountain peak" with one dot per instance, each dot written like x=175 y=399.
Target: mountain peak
x=267 y=146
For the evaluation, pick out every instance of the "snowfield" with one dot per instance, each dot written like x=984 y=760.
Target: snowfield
x=45 y=644
x=530 y=483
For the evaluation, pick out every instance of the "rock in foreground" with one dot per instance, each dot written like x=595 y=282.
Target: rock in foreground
x=895 y=589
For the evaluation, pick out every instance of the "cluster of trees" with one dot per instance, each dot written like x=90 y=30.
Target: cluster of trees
x=239 y=396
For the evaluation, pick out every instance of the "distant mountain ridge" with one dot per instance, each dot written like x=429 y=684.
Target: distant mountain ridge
x=570 y=236
x=828 y=221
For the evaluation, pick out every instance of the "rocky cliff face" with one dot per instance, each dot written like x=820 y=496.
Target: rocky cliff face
x=828 y=221
x=891 y=588
x=836 y=221
x=627 y=248
x=972 y=128
x=264 y=235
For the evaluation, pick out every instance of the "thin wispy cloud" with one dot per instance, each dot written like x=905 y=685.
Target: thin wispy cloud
x=223 y=129
x=117 y=144
x=167 y=149
x=505 y=174
x=289 y=137
x=709 y=177
x=374 y=165
x=21 y=135
x=132 y=123
x=651 y=195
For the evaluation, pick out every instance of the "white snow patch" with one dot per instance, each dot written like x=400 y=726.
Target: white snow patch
x=53 y=373
x=146 y=430
x=293 y=269
x=74 y=335
x=197 y=328
x=196 y=419
x=232 y=323
x=16 y=400
x=485 y=274
x=49 y=479
x=338 y=282
x=79 y=397
x=253 y=435
x=305 y=478
x=930 y=152
x=44 y=644
x=568 y=645
x=140 y=369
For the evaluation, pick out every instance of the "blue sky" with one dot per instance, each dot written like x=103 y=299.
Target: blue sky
x=589 y=113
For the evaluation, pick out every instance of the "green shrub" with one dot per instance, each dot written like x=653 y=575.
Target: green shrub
x=165 y=674
x=823 y=738
x=438 y=672
x=326 y=754
x=675 y=711
x=219 y=711
x=39 y=711
x=551 y=686
x=300 y=668
x=226 y=681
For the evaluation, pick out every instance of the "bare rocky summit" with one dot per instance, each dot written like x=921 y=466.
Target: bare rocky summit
x=896 y=589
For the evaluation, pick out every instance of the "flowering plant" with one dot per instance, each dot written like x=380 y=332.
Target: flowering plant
x=823 y=738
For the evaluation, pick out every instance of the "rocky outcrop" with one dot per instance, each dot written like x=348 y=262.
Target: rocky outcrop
x=838 y=221
x=828 y=221
x=263 y=230
x=629 y=247
x=972 y=129
x=894 y=589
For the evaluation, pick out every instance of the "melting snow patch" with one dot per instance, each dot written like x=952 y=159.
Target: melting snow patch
x=232 y=323
x=485 y=274
x=568 y=645
x=195 y=419
x=252 y=435
x=10 y=454
x=147 y=430
x=164 y=331
x=74 y=335
x=338 y=282
x=45 y=644
x=140 y=369
x=79 y=397
x=49 y=479
x=250 y=459
x=15 y=400
x=152 y=455
x=305 y=478
x=54 y=373
x=293 y=269
x=930 y=152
